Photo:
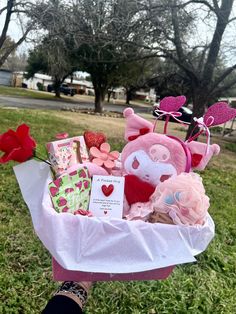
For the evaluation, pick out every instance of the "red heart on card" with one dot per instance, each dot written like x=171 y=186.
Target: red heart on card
x=137 y=190
x=105 y=212
x=107 y=190
x=94 y=139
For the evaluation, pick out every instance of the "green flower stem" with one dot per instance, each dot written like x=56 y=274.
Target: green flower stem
x=37 y=157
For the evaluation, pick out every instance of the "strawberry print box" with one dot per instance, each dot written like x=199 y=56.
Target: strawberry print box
x=70 y=192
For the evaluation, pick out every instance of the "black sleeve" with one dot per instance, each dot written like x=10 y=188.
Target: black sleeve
x=60 y=304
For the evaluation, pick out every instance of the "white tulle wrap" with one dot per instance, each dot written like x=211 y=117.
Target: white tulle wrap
x=93 y=244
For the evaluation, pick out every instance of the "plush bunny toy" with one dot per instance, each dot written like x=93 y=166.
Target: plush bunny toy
x=150 y=158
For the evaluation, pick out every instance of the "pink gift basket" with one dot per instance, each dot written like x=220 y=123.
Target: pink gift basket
x=159 y=182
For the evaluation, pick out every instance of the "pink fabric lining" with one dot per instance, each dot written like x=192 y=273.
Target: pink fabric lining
x=61 y=274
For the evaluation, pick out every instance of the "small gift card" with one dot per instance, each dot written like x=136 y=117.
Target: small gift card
x=71 y=191
x=107 y=196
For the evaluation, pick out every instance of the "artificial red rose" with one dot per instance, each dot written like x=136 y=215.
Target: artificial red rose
x=18 y=146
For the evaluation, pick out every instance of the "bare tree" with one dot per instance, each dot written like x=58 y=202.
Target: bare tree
x=206 y=82
x=13 y=10
x=102 y=34
x=109 y=33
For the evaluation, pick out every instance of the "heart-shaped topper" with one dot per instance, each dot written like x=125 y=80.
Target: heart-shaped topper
x=94 y=139
x=219 y=113
x=171 y=103
x=107 y=190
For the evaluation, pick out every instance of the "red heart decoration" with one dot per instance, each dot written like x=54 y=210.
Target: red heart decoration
x=196 y=159
x=105 y=212
x=94 y=139
x=137 y=190
x=107 y=190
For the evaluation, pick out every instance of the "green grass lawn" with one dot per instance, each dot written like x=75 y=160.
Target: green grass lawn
x=208 y=286
x=24 y=92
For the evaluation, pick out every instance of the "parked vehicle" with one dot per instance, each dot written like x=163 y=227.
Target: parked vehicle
x=64 y=89
x=186 y=114
x=67 y=90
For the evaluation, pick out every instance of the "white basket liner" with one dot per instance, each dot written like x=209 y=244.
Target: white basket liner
x=107 y=246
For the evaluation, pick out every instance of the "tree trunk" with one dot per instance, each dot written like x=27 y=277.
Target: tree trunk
x=109 y=95
x=99 y=98
x=57 y=85
x=128 y=96
x=200 y=99
x=57 y=91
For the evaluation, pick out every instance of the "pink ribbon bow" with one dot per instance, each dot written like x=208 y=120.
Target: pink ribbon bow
x=174 y=114
x=203 y=127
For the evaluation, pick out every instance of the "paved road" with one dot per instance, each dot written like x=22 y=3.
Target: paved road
x=20 y=102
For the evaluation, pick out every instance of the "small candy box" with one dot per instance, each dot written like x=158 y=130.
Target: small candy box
x=65 y=153
x=70 y=192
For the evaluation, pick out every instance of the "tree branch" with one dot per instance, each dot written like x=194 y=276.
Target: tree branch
x=3 y=9
x=224 y=88
x=222 y=21
x=222 y=77
x=14 y=46
x=231 y=20
x=3 y=36
x=205 y=2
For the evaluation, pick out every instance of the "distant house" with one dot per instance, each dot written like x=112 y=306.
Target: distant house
x=117 y=93
x=6 y=77
x=82 y=86
x=147 y=95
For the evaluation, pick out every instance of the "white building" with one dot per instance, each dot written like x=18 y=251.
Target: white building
x=82 y=86
x=5 y=77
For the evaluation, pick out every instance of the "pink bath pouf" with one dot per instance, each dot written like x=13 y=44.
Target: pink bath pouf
x=183 y=198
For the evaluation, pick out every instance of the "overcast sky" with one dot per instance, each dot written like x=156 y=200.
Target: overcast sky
x=204 y=32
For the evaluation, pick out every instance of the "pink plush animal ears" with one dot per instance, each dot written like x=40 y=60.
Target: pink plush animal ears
x=135 y=125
